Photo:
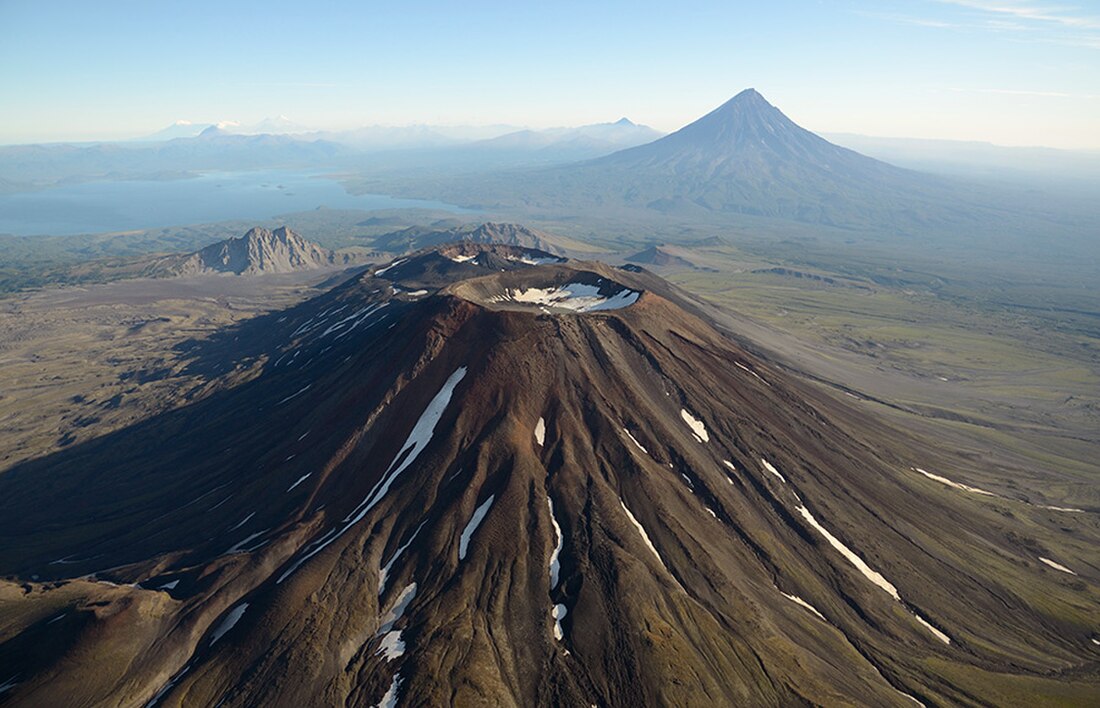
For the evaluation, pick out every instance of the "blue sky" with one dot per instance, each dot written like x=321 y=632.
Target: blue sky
x=1013 y=72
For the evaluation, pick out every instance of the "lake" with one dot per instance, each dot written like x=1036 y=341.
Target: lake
x=124 y=205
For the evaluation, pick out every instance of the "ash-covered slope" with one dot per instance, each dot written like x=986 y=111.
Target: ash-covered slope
x=464 y=479
x=257 y=252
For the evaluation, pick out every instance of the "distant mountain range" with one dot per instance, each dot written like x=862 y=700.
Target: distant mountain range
x=417 y=237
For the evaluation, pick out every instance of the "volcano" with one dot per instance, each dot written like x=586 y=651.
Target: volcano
x=486 y=475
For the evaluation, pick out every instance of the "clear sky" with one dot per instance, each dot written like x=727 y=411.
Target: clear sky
x=1014 y=72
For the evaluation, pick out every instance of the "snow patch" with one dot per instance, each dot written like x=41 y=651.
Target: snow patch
x=1069 y=509
x=404 y=599
x=171 y=585
x=242 y=523
x=471 y=526
x=1057 y=566
x=739 y=364
x=389 y=700
x=956 y=485
x=540 y=432
x=9 y=684
x=641 y=530
x=391 y=647
x=768 y=467
x=578 y=297
x=229 y=622
x=417 y=293
x=555 y=564
x=850 y=555
x=697 y=428
x=558 y=613
x=462 y=259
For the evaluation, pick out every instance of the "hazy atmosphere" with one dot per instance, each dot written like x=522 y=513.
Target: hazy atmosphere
x=1010 y=72
x=575 y=354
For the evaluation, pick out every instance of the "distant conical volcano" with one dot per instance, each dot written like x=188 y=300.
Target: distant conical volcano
x=484 y=475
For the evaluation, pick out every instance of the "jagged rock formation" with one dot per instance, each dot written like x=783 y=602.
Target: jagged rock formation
x=467 y=479
x=419 y=237
x=258 y=252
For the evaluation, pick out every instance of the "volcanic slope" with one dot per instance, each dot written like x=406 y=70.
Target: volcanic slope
x=483 y=475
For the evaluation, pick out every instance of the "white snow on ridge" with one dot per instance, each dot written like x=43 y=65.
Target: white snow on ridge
x=462 y=259
x=739 y=364
x=635 y=441
x=229 y=622
x=540 y=431
x=641 y=530
x=1069 y=509
x=558 y=613
x=9 y=684
x=396 y=263
x=578 y=297
x=928 y=625
x=850 y=555
x=532 y=259
x=768 y=466
x=956 y=485
x=171 y=585
x=1057 y=566
x=697 y=428
x=471 y=526
x=555 y=564
x=800 y=601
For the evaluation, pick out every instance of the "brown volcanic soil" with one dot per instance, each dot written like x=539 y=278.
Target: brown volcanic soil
x=698 y=489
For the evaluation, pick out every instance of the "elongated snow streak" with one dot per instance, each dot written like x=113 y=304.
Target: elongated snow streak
x=300 y=480
x=384 y=572
x=229 y=622
x=558 y=613
x=555 y=564
x=390 y=699
x=956 y=485
x=462 y=259
x=635 y=441
x=295 y=395
x=800 y=601
x=1069 y=509
x=911 y=698
x=396 y=263
x=641 y=530
x=753 y=373
x=418 y=439
x=475 y=521
x=697 y=428
x=9 y=684
x=928 y=625
x=359 y=316
x=1057 y=566
x=170 y=585
x=768 y=467
x=854 y=559
x=540 y=432
x=242 y=523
